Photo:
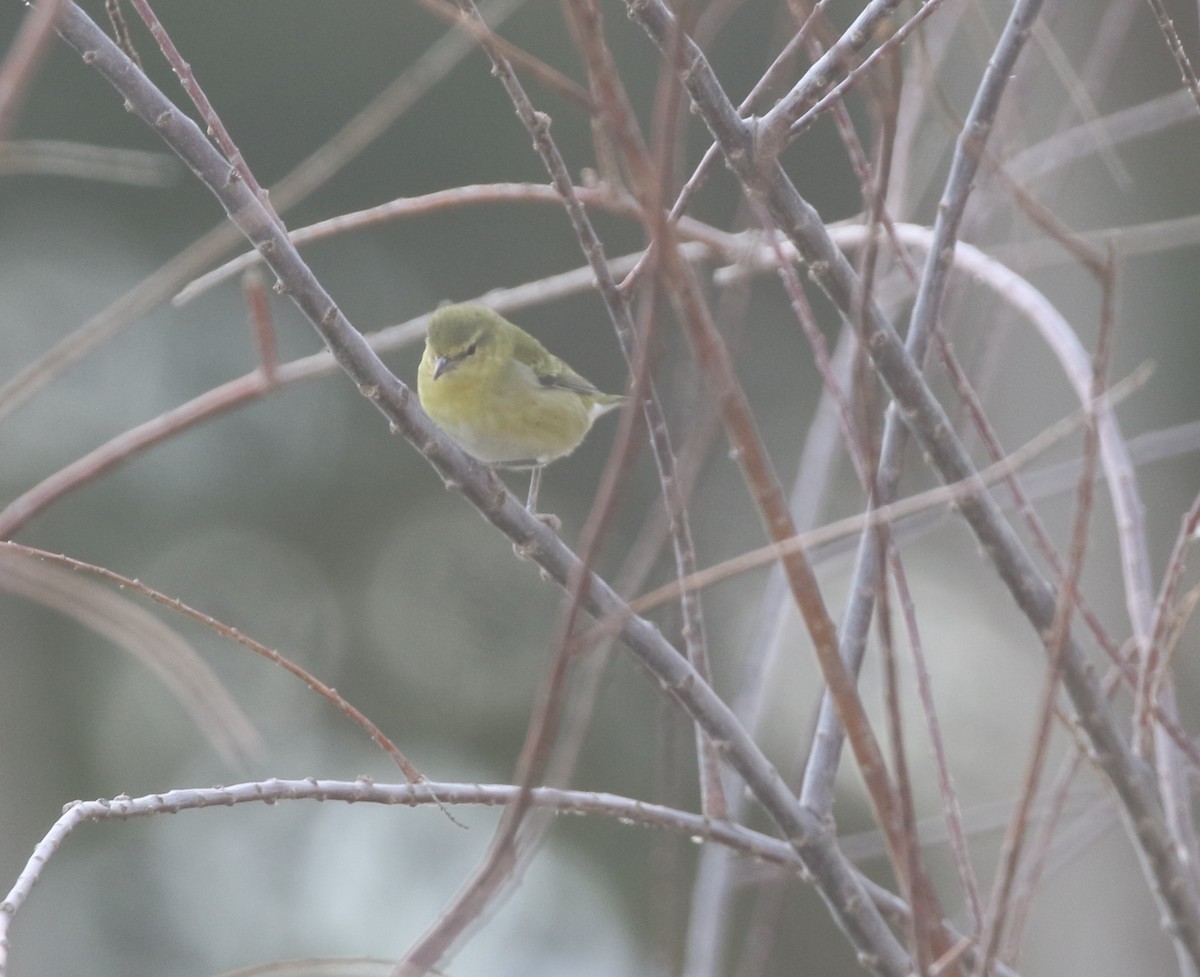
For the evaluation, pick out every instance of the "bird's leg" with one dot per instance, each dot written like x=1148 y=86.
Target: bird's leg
x=535 y=482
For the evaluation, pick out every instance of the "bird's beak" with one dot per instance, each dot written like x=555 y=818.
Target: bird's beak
x=443 y=364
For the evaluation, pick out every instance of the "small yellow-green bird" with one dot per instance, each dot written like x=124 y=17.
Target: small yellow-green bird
x=500 y=395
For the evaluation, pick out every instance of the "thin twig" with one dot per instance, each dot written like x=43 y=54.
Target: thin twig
x=1059 y=151
x=471 y=195
x=258 y=303
x=1175 y=46
x=212 y=121
x=887 y=50
x=1154 y=663
x=162 y=650
x=22 y=60
x=116 y=20
x=842 y=55
x=83 y=161
x=230 y=634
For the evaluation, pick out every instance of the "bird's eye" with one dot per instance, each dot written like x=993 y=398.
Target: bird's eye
x=470 y=350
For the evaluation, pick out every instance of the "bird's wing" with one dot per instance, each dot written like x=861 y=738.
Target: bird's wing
x=551 y=372
x=567 y=379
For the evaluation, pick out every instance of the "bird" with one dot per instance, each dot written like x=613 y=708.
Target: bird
x=501 y=396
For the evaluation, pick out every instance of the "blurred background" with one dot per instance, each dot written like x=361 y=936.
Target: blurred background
x=301 y=521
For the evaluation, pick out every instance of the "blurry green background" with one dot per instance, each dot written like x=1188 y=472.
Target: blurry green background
x=302 y=522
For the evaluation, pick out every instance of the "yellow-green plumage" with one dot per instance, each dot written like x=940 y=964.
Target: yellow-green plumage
x=500 y=394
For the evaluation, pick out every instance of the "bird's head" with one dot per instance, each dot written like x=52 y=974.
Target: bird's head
x=464 y=334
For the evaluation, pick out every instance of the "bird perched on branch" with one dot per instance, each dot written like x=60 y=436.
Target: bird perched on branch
x=500 y=395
